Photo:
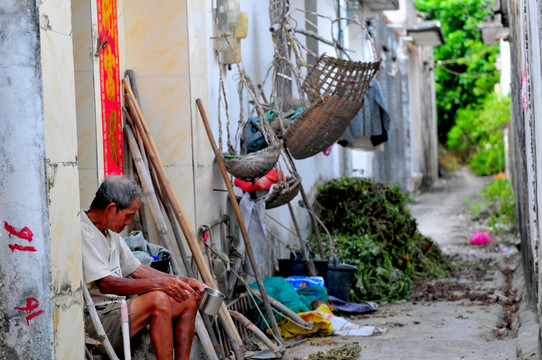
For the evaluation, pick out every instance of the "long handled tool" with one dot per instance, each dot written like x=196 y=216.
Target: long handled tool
x=150 y=147
x=248 y=245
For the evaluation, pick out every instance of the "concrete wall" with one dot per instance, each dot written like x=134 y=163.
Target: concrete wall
x=41 y=304
x=526 y=90
x=523 y=136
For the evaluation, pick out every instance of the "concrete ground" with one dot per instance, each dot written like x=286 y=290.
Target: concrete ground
x=475 y=314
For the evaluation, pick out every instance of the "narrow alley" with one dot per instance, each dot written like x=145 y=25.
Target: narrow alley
x=475 y=314
x=231 y=116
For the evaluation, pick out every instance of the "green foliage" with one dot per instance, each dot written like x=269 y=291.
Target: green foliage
x=374 y=231
x=465 y=70
x=477 y=136
x=500 y=202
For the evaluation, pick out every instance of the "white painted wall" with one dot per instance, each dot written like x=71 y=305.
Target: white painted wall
x=257 y=54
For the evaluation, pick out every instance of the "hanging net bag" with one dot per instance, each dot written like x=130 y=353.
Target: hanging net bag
x=335 y=89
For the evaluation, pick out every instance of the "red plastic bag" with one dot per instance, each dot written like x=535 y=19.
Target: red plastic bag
x=262 y=183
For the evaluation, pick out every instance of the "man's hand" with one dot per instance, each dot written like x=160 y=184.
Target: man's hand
x=196 y=286
x=176 y=288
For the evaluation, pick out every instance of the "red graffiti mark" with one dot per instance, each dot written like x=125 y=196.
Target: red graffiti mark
x=33 y=315
x=31 y=304
x=14 y=247
x=25 y=233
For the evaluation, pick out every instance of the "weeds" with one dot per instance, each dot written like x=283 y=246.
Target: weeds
x=498 y=203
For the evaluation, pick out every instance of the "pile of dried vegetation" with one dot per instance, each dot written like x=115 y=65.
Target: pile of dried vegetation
x=372 y=229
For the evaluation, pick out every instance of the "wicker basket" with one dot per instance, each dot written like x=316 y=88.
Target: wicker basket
x=283 y=192
x=336 y=89
x=253 y=165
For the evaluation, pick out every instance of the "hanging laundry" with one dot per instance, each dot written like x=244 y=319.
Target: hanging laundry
x=371 y=122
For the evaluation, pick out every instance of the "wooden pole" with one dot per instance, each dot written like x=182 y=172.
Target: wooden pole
x=278 y=351
x=248 y=245
x=306 y=253
x=311 y=215
x=150 y=147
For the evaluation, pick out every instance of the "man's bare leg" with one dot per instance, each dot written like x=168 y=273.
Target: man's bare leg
x=162 y=312
x=184 y=329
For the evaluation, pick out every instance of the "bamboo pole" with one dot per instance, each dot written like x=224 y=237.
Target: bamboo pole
x=278 y=351
x=150 y=196
x=208 y=345
x=150 y=147
x=248 y=245
x=306 y=253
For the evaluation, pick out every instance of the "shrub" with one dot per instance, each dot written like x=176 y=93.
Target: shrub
x=477 y=136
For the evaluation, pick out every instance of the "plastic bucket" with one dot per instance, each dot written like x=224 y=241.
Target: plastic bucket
x=339 y=280
x=297 y=267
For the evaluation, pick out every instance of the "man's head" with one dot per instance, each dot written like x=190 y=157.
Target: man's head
x=118 y=198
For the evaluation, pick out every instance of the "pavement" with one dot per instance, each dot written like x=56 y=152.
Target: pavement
x=478 y=313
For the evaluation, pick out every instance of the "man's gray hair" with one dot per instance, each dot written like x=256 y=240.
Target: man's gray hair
x=118 y=189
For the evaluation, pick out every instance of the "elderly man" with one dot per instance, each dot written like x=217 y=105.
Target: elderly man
x=167 y=303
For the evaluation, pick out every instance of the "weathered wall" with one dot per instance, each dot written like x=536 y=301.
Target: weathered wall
x=526 y=91
x=41 y=313
x=523 y=147
x=393 y=164
x=25 y=275
x=425 y=156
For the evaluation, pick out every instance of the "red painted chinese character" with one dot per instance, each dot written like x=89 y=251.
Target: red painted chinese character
x=31 y=304
x=25 y=234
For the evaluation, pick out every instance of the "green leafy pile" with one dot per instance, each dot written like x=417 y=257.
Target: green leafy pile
x=373 y=230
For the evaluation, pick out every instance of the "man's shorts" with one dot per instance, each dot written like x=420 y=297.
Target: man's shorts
x=110 y=317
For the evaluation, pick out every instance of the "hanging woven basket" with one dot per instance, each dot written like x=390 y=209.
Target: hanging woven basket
x=283 y=192
x=253 y=165
x=336 y=89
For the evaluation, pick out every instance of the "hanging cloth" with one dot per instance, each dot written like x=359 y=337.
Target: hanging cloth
x=371 y=122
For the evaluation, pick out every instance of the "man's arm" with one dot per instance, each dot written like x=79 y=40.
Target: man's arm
x=143 y=282
x=144 y=272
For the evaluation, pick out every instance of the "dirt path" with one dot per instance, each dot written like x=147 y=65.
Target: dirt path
x=465 y=316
